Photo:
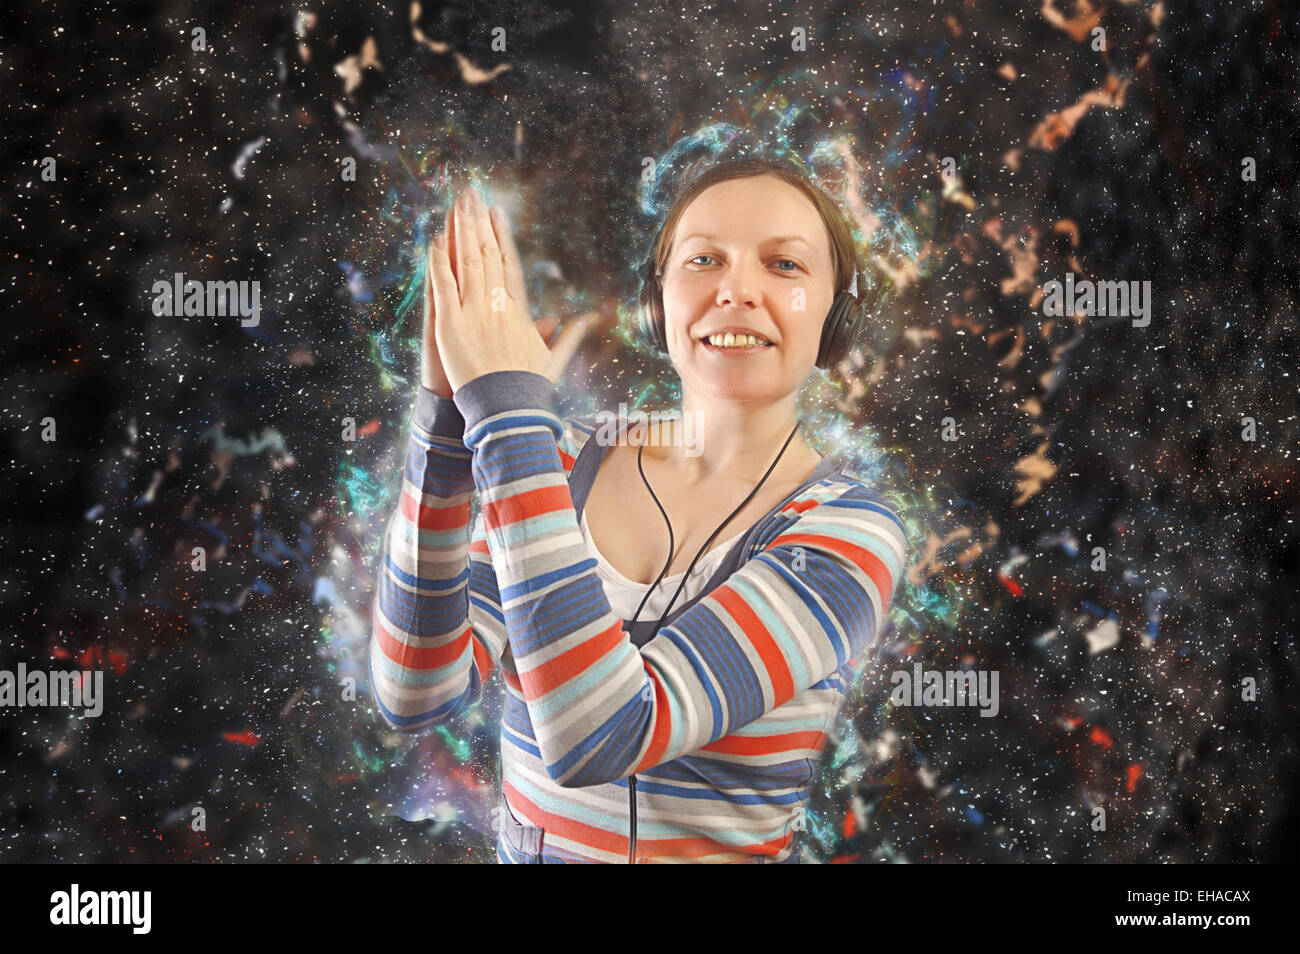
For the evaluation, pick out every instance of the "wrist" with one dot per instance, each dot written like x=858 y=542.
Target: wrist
x=487 y=401
x=439 y=390
x=438 y=384
x=437 y=415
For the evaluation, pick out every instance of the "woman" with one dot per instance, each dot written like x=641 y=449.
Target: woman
x=621 y=740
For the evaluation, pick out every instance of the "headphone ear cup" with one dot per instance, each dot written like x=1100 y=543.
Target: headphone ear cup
x=652 y=315
x=660 y=333
x=838 y=331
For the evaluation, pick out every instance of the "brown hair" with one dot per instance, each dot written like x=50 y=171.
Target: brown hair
x=843 y=252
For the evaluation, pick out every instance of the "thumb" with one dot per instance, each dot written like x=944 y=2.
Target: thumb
x=446 y=296
x=566 y=343
x=546 y=327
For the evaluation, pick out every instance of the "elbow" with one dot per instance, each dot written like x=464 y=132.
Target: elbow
x=560 y=769
x=563 y=774
x=573 y=779
x=597 y=760
x=415 y=715
x=410 y=714
x=392 y=726
x=408 y=725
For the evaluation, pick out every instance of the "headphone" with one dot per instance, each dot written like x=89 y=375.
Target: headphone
x=838 y=329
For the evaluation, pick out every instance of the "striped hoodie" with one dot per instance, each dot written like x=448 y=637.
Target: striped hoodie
x=721 y=717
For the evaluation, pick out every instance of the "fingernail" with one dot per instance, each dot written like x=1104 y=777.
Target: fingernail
x=464 y=202
x=440 y=240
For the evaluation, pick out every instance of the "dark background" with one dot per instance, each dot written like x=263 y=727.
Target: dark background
x=224 y=688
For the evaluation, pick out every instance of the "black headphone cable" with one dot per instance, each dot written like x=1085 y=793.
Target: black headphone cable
x=631 y=854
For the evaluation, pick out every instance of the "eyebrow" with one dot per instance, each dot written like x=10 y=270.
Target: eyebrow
x=773 y=240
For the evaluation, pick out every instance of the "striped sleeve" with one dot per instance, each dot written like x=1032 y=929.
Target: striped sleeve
x=437 y=628
x=600 y=708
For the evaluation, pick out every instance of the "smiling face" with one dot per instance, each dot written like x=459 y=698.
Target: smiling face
x=754 y=255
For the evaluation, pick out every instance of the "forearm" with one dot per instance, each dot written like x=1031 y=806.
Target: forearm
x=421 y=648
x=578 y=671
x=600 y=708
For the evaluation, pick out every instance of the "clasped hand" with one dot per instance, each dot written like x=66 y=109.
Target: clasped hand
x=477 y=318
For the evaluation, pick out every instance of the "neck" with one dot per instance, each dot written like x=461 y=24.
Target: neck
x=734 y=440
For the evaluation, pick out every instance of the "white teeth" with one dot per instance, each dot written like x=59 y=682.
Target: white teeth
x=730 y=340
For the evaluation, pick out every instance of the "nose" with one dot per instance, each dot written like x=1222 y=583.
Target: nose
x=737 y=286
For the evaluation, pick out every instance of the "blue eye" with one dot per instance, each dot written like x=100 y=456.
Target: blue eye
x=797 y=266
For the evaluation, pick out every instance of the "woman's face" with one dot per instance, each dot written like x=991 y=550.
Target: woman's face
x=748 y=254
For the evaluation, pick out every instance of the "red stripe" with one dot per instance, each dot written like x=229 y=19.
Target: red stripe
x=870 y=564
x=483 y=659
x=601 y=840
x=530 y=503
x=765 y=744
x=662 y=728
x=572 y=830
x=412 y=657
x=675 y=848
x=564 y=667
x=778 y=672
x=434 y=518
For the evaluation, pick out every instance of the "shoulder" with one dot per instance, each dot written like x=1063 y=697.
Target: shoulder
x=844 y=513
x=576 y=431
x=843 y=490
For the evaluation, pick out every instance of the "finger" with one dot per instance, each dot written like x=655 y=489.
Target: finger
x=430 y=303
x=449 y=230
x=566 y=343
x=493 y=273
x=446 y=298
x=428 y=335
x=546 y=327
x=511 y=262
x=469 y=259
